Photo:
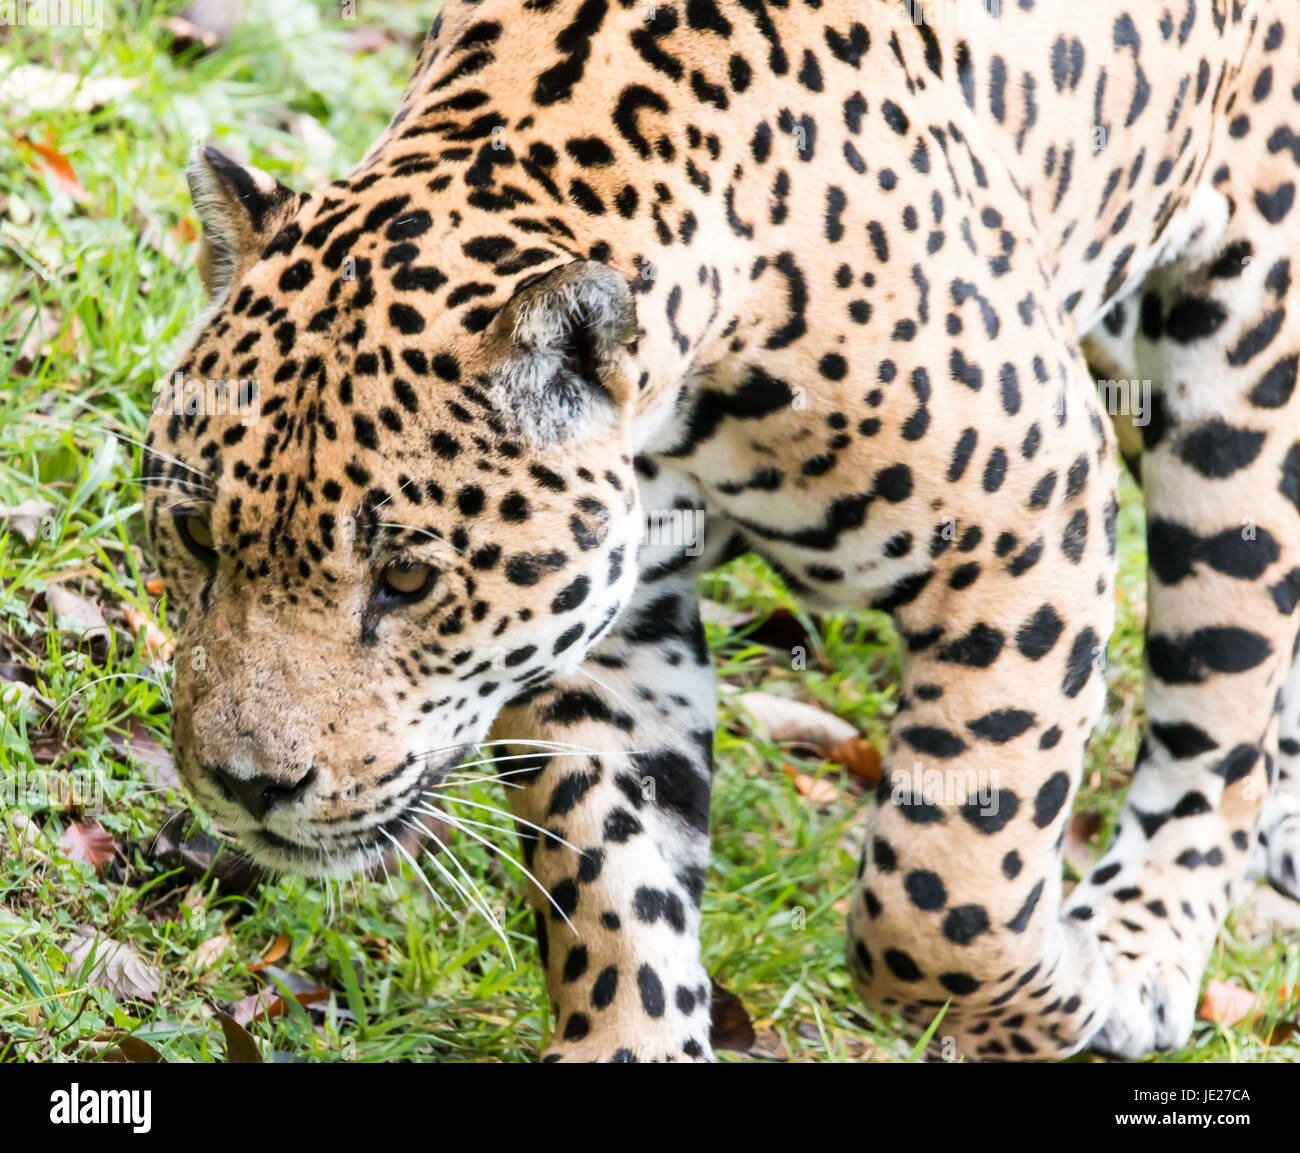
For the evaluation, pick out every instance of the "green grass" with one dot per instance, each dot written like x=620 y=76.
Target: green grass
x=113 y=278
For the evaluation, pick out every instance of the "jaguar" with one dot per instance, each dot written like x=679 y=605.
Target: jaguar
x=836 y=280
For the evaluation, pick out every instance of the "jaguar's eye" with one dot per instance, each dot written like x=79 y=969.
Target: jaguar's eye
x=196 y=535
x=408 y=582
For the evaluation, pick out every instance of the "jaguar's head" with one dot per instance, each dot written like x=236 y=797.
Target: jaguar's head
x=390 y=489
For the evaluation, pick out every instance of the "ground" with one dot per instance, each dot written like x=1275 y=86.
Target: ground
x=96 y=290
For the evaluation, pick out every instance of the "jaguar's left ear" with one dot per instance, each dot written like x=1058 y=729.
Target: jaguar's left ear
x=239 y=207
x=558 y=352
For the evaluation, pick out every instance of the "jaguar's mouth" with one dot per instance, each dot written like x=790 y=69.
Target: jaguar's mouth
x=318 y=848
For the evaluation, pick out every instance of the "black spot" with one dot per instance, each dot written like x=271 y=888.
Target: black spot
x=1038 y=635
x=902 y=965
x=652 y=991
x=962 y=925
x=925 y=889
x=1050 y=799
x=1001 y=725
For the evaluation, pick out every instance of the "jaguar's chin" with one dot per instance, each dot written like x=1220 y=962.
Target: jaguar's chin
x=361 y=854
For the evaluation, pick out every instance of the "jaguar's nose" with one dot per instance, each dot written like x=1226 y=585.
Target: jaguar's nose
x=258 y=794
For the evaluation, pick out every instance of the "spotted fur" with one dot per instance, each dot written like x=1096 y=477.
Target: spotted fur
x=828 y=277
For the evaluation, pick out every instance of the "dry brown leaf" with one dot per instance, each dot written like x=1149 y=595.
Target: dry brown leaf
x=218 y=17
x=89 y=843
x=363 y=39
x=154 y=586
x=731 y=1027
x=1226 y=1003
x=210 y=952
x=1079 y=830
x=44 y=330
x=268 y=1003
x=274 y=952
x=859 y=757
x=1266 y=915
x=40 y=89
x=119 y=1046
x=140 y=747
x=200 y=856
x=76 y=615
x=1284 y=1033
x=186 y=34
x=157 y=644
x=241 y=1049
x=58 y=165
x=46 y=747
x=784 y=720
x=109 y=964
x=817 y=789
x=25 y=518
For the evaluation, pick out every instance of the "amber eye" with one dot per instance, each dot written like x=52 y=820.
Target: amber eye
x=196 y=535
x=408 y=582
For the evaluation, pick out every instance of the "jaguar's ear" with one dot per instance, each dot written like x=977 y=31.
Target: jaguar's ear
x=237 y=207
x=558 y=352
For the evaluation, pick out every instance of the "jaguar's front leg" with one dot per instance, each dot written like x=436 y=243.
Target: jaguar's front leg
x=621 y=786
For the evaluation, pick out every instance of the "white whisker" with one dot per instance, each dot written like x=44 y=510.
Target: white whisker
x=419 y=872
x=482 y=905
x=612 y=692
x=497 y=849
x=511 y=816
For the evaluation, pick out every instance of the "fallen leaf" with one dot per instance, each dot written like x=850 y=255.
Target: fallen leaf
x=784 y=720
x=816 y=789
x=25 y=519
x=1265 y=915
x=218 y=17
x=781 y=629
x=186 y=34
x=1284 y=1033
x=122 y=1047
x=104 y=963
x=200 y=855
x=58 y=165
x=274 y=952
x=859 y=757
x=210 y=952
x=42 y=331
x=76 y=615
x=269 y=1002
x=89 y=843
x=241 y=1049
x=1079 y=830
x=46 y=747
x=154 y=586
x=157 y=644
x=367 y=38
x=1226 y=1003
x=714 y=613
x=730 y=1027
x=140 y=746
x=40 y=89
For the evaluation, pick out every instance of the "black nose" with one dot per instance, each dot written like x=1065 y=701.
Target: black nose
x=258 y=795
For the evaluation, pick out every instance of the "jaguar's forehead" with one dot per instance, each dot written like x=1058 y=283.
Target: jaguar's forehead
x=356 y=285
